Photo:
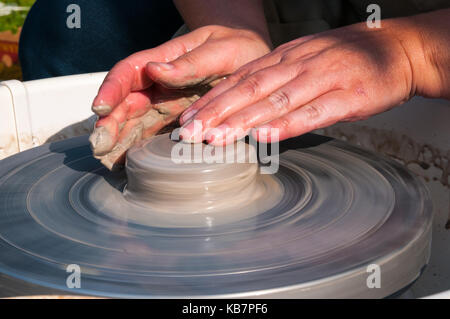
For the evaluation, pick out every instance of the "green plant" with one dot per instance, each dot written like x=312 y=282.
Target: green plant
x=22 y=3
x=15 y=19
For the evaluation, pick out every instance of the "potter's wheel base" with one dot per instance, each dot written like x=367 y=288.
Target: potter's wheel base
x=343 y=210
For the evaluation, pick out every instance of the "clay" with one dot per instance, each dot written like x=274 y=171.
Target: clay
x=203 y=186
x=101 y=141
x=148 y=125
x=102 y=110
x=210 y=182
x=166 y=106
x=398 y=146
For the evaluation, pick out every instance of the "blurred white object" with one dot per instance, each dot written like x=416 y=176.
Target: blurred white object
x=416 y=133
x=37 y=112
x=6 y=9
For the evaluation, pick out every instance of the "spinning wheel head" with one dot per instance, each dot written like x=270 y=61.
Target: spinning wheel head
x=310 y=230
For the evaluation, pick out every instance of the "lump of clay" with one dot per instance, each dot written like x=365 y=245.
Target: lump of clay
x=204 y=178
x=167 y=105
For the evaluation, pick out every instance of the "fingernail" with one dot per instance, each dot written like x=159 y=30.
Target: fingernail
x=188 y=115
x=186 y=132
x=101 y=141
x=101 y=110
x=192 y=132
x=162 y=66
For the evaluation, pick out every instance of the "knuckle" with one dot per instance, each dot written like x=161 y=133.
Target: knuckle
x=289 y=55
x=182 y=47
x=285 y=58
x=176 y=45
x=285 y=47
x=285 y=123
x=314 y=111
x=279 y=100
x=299 y=69
x=251 y=87
x=295 y=66
x=189 y=59
x=233 y=79
x=239 y=75
x=206 y=29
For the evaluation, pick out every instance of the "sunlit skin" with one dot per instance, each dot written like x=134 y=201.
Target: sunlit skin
x=345 y=74
x=200 y=57
x=226 y=35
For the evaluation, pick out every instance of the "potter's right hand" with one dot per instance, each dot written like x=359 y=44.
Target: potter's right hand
x=196 y=58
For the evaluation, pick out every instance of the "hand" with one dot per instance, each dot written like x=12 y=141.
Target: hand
x=345 y=74
x=164 y=106
x=192 y=60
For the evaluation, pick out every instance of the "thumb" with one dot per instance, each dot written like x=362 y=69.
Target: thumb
x=202 y=65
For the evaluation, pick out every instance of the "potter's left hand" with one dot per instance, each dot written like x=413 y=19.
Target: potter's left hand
x=345 y=74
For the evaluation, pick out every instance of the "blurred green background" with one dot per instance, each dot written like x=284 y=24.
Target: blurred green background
x=12 y=17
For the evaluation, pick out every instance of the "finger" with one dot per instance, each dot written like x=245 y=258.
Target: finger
x=196 y=67
x=104 y=136
x=130 y=134
x=166 y=108
x=136 y=118
x=226 y=84
x=107 y=130
x=106 y=133
x=278 y=103
x=154 y=121
x=321 y=112
x=205 y=99
x=209 y=61
x=129 y=74
x=247 y=92
x=138 y=103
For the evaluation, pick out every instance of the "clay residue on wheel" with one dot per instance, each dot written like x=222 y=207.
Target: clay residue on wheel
x=9 y=146
x=427 y=161
x=398 y=146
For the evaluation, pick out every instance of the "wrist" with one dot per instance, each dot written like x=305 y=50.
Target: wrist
x=235 y=14
x=425 y=39
x=256 y=36
x=258 y=40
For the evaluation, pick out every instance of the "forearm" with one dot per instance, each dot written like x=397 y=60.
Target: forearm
x=239 y=14
x=426 y=39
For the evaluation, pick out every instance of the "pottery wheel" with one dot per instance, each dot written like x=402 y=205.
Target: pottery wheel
x=341 y=209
